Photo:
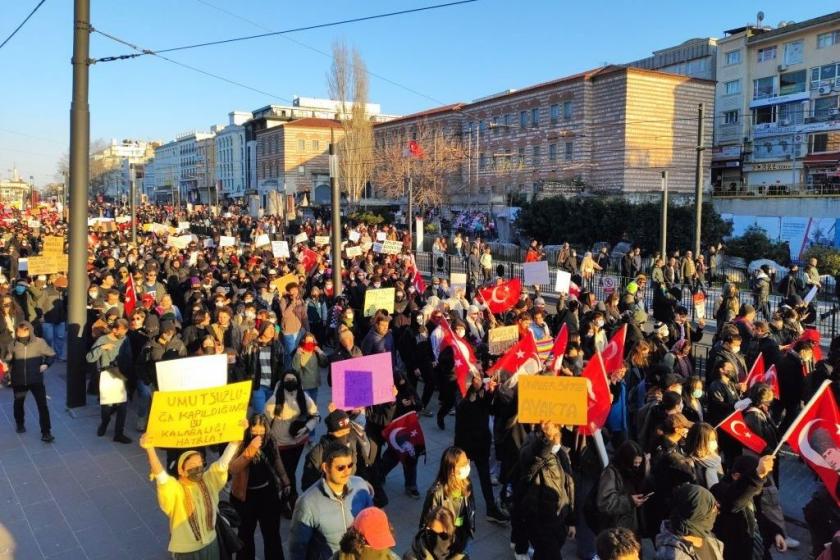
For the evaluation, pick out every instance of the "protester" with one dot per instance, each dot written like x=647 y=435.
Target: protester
x=452 y=489
x=687 y=533
x=29 y=357
x=369 y=538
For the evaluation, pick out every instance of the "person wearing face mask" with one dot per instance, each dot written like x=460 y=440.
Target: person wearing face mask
x=263 y=361
x=692 y=396
x=258 y=481
x=620 y=492
x=687 y=533
x=316 y=312
x=452 y=489
x=701 y=446
x=339 y=429
x=112 y=380
x=793 y=370
x=669 y=469
x=446 y=376
x=26 y=296
x=53 y=305
x=28 y=358
x=191 y=502
x=436 y=537
x=729 y=351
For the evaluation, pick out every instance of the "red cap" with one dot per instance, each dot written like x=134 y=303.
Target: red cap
x=373 y=524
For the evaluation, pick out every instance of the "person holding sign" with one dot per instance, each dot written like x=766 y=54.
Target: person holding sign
x=112 y=388
x=191 y=502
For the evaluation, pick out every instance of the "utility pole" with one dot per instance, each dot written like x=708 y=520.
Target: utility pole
x=410 y=211
x=698 y=181
x=132 y=180
x=663 y=228
x=79 y=179
x=336 y=217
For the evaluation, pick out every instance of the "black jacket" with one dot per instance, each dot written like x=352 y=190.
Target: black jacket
x=472 y=427
x=360 y=450
x=25 y=360
x=736 y=523
x=791 y=378
x=154 y=351
x=253 y=369
x=545 y=492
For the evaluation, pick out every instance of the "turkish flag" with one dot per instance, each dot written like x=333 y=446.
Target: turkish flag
x=574 y=290
x=405 y=436
x=560 y=343
x=735 y=426
x=759 y=375
x=308 y=258
x=522 y=357
x=503 y=296
x=464 y=356
x=815 y=435
x=415 y=150
x=598 y=401
x=613 y=354
x=130 y=297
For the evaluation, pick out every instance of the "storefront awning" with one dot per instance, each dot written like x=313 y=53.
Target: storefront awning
x=822 y=159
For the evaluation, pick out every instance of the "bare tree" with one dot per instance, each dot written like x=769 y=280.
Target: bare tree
x=348 y=83
x=433 y=173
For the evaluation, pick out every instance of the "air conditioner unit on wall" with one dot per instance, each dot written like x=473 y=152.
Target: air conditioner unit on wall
x=824 y=90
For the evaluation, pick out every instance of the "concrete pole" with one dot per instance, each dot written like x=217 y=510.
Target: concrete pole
x=410 y=210
x=132 y=179
x=79 y=182
x=336 y=218
x=698 y=181
x=663 y=226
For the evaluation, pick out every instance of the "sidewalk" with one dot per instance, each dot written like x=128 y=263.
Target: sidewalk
x=88 y=498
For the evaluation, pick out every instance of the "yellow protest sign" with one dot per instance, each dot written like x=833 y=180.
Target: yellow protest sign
x=53 y=246
x=501 y=338
x=47 y=264
x=198 y=417
x=544 y=398
x=376 y=299
x=284 y=281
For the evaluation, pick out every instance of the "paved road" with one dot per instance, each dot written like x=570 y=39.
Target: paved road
x=84 y=497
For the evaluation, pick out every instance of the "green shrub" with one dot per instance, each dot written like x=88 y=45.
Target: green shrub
x=755 y=244
x=828 y=258
x=369 y=218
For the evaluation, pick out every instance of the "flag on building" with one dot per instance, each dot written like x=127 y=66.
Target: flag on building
x=415 y=149
x=405 y=436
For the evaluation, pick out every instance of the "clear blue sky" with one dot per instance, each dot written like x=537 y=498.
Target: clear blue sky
x=453 y=54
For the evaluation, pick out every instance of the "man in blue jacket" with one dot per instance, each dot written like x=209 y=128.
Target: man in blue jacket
x=326 y=510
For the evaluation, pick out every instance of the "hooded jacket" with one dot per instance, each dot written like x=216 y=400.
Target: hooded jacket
x=26 y=358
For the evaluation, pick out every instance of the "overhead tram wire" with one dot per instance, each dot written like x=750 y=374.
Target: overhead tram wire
x=18 y=28
x=158 y=52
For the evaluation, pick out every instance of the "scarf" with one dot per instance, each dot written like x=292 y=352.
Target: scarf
x=693 y=511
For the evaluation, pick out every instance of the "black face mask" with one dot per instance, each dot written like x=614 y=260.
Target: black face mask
x=290 y=386
x=437 y=544
x=24 y=339
x=344 y=440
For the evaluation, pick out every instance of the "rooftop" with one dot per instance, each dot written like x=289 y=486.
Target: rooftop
x=791 y=27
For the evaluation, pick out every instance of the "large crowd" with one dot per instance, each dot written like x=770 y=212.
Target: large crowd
x=658 y=466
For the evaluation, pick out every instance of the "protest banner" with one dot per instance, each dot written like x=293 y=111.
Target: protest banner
x=322 y=240
x=23 y=265
x=46 y=264
x=544 y=398
x=111 y=388
x=353 y=252
x=53 y=246
x=536 y=273
x=159 y=229
x=361 y=382
x=281 y=283
x=376 y=299
x=501 y=338
x=564 y=280
x=262 y=240
x=180 y=242
x=183 y=226
x=185 y=374
x=301 y=238
x=123 y=219
x=366 y=246
x=458 y=280
x=227 y=241
x=381 y=236
x=209 y=243
x=377 y=247
x=280 y=249
x=355 y=236
x=199 y=417
x=392 y=247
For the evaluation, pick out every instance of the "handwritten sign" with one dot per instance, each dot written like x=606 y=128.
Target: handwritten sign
x=262 y=240
x=392 y=247
x=377 y=247
x=209 y=243
x=53 y=246
x=199 y=372
x=322 y=240
x=552 y=399
x=376 y=299
x=381 y=236
x=353 y=252
x=536 y=273
x=282 y=283
x=183 y=226
x=501 y=338
x=46 y=264
x=227 y=241
x=180 y=419
x=280 y=249
x=365 y=381
x=301 y=238
x=355 y=236
x=564 y=281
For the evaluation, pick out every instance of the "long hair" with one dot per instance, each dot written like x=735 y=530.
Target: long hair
x=447 y=475
x=442 y=515
x=698 y=438
x=280 y=394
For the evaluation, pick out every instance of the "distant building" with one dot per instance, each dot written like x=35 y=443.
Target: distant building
x=230 y=156
x=111 y=167
x=15 y=191
x=695 y=58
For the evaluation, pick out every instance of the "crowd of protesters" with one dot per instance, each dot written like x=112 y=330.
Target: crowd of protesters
x=671 y=475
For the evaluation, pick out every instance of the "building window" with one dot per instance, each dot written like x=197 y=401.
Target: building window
x=570 y=151
x=535 y=117
x=764 y=115
x=552 y=152
x=495 y=126
x=301 y=170
x=482 y=161
x=301 y=145
x=733 y=57
x=824 y=75
x=825 y=108
x=554 y=112
x=508 y=121
x=316 y=145
x=792 y=82
x=825 y=142
x=794 y=52
x=536 y=157
x=523 y=119
x=730 y=117
x=482 y=128
x=827 y=39
x=763 y=87
x=567 y=110
x=732 y=87
x=791 y=113
x=521 y=156
x=767 y=53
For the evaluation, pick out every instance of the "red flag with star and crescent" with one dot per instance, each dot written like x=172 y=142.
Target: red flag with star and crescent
x=308 y=259
x=415 y=149
x=613 y=353
x=130 y=297
x=758 y=374
x=405 y=436
x=465 y=360
x=815 y=436
x=598 y=399
x=735 y=426
x=503 y=296
x=522 y=357
x=559 y=349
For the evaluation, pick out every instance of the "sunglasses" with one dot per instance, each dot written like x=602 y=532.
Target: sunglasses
x=342 y=468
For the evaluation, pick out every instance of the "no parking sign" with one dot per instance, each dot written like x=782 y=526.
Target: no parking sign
x=609 y=284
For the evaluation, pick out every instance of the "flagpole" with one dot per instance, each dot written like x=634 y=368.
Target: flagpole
x=802 y=414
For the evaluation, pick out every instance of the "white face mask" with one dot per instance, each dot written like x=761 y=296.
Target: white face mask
x=713 y=446
x=555 y=448
x=460 y=333
x=463 y=473
x=736 y=349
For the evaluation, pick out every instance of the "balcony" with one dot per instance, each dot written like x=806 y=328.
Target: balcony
x=778 y=190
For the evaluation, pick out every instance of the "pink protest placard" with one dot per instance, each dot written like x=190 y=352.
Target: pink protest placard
x=361 y=382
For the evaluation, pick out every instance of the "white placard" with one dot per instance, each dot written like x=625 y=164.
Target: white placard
x=353 y=252
x=262 y=240
x=183 y=226
x=418 y=234
x=199 y=372
x=458 y=280
x=322 y=240
x=392 y=247
x=111 y=388
x=355 y=236
x=536 y=273
x=809 y=297
x=209 y=243
x=227 y=241
x=122 y=219
x=377 y=247
x=193 y=258
x=180 y=242
x=23 y=265
x=564 y=280
x=381 y=236
x=280 y=249
x=301 y=238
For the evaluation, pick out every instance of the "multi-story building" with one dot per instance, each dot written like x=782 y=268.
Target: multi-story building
x=611 y=130
x=195 y=165
x=695 y=58
x=293 y=157
x=110 y=167
x=15 y=191
x=230 y=156
x=162 y=176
